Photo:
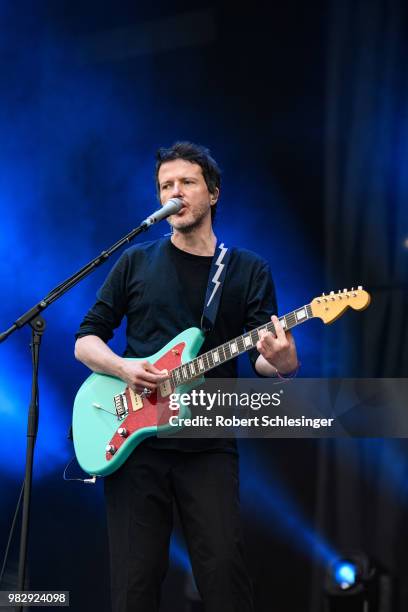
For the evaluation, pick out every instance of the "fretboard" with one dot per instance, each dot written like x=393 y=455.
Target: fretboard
x=231 y=349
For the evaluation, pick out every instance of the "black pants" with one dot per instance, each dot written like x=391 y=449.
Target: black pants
x=139 y=499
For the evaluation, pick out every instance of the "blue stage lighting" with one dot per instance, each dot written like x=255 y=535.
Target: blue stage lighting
x=178 y=554
x=269 y=497
x=345 y=574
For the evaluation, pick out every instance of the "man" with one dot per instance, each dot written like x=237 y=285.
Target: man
x=160 y=286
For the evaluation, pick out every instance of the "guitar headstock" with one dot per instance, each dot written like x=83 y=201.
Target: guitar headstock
x=330 y=307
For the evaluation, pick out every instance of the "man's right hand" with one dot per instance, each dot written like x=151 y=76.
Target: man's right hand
x=142 y=375
x=97 y=355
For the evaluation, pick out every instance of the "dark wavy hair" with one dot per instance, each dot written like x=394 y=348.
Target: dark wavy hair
x=196 y=154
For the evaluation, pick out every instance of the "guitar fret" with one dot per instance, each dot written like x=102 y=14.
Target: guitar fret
x=248 y=340
x=227 y=351
x=225 y=354
x=210 y=360
x=254 y=336
x=265 y=328
x=300 y=314
x=240 y=344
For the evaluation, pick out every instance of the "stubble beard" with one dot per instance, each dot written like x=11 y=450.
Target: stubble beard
x=193 y=225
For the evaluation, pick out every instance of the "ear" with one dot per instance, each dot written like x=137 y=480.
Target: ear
x=214 y=196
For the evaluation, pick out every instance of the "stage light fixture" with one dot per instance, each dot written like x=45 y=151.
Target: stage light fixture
x=356 y=583
x=344 y=574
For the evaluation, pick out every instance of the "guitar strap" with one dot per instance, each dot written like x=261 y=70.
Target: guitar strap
x=215 y=286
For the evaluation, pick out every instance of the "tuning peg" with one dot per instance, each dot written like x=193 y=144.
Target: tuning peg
x=323 y=294
x=331 y=292
x=352 y=288
x=344 y=290
x=360 y=287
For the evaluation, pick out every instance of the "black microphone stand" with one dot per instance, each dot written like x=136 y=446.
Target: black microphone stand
x=33 y=318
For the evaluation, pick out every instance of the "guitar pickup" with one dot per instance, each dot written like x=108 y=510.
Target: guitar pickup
x=133 y=400
x=121 y=405
x=165 y=388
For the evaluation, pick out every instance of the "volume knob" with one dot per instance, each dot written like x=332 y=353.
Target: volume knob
x=122 y=431
x=110 y=449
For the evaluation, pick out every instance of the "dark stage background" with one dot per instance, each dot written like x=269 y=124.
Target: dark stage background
x=304 y=105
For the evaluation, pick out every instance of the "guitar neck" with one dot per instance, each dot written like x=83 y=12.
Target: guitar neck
x=231 y=349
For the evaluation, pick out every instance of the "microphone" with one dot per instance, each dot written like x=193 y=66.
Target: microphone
x=170 y=208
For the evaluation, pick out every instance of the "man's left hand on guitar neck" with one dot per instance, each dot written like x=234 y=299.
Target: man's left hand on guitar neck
x=277 y=353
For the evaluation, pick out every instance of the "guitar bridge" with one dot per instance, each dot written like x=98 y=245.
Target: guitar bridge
x=121 y=405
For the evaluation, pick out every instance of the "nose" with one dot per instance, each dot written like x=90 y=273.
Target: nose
x=176 y=191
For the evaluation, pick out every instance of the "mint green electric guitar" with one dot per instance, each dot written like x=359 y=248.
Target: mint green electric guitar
x=110 y=419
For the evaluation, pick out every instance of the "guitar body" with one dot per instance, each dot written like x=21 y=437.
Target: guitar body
x=96 y=422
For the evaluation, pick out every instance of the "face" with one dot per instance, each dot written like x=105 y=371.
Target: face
x=182 y=179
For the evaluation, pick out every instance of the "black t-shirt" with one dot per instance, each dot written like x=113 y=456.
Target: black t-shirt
x=161 y=290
